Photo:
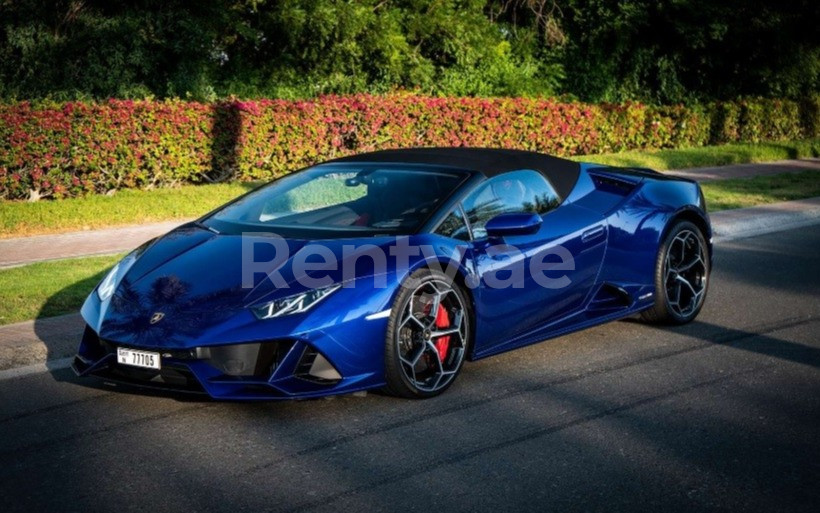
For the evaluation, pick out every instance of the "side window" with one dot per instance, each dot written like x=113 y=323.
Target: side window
x=454 y=226
x=519 y=191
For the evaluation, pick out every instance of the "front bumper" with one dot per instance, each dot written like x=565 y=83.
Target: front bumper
x=288 y=368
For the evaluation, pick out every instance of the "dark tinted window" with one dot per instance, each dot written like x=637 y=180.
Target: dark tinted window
x=519 y=191
x=454 y=226
x=347 y=198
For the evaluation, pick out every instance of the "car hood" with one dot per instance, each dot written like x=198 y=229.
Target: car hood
x=194 y=277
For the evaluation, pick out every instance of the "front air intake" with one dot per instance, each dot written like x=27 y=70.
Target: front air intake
x=316 y=368
x=259 y=359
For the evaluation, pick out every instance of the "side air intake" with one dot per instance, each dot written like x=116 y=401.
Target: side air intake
x=612 y=184
x=610 y=297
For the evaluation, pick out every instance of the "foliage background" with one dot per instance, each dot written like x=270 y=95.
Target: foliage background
x=97 y=95
x=68 y=149
x=656 y=51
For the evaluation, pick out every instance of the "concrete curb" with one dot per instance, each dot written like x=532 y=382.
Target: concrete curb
x=42 y=345
x=751 y=222
x=36 y=368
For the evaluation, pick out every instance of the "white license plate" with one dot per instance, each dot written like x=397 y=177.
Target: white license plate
x=145 y=359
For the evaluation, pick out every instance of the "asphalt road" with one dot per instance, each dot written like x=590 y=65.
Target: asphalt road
x=721 y=414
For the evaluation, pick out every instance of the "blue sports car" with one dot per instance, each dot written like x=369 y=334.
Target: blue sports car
x=387 y=270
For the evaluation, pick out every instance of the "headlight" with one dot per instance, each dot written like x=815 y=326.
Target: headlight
x=109 y=284
x=293 y=304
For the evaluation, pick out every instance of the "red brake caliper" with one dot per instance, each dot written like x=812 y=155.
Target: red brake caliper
x=443 y=343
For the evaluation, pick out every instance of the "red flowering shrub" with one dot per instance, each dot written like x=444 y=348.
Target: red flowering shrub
x=76 y=148
x=60 y=150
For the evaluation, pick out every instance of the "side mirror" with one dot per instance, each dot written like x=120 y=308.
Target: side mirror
x=513 y=224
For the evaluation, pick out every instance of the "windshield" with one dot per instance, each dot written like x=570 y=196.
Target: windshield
x=348 y=199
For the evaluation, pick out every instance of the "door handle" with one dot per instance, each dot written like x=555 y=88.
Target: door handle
x=592 y=234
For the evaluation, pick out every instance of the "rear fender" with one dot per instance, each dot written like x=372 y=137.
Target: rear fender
x=638 y=227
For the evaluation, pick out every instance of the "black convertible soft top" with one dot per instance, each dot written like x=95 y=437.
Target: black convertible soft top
x=561 y=173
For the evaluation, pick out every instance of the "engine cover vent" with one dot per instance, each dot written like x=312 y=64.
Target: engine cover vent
x=612 y=184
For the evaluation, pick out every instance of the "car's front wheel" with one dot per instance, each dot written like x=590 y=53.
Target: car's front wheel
x=681 y=276
x=427 y=335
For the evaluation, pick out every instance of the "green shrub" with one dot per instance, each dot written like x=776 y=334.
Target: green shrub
x=810 y=115
x=768 y=120
x=725 y=122
x=70 y=149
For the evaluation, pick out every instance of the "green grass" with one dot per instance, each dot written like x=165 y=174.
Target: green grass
x=127 y=206
x=136 y=206
x=47 y=289
x=760 y=190
x=708 y=156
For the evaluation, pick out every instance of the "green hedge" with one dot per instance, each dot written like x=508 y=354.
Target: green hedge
x=75 y=148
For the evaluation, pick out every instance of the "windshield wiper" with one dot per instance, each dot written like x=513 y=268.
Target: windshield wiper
x=203 y=225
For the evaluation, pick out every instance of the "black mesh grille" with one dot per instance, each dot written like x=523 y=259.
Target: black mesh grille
x=257 y=360
x=306 y=363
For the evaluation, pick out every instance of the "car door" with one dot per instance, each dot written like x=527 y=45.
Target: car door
x=528 y=281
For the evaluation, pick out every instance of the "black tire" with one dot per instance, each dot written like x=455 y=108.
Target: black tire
x=413 y=340
x=690 y=285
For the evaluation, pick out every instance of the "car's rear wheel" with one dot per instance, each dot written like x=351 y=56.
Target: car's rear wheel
x=681 y=276
x=427 y=336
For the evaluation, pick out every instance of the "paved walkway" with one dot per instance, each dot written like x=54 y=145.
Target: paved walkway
x=707 y=174
x=23 y=250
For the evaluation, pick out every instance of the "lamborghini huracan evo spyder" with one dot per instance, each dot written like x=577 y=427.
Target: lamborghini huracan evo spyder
x=390 y=269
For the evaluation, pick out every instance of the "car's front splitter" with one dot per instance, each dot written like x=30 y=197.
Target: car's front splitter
x=290 y=368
